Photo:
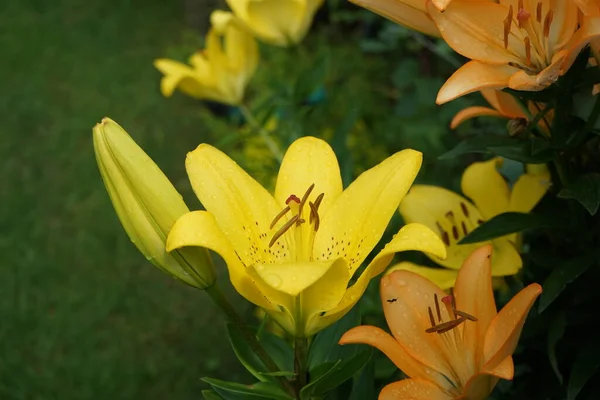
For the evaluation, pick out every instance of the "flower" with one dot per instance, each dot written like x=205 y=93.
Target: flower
x=147 y=204
x=454 y=350
x=523 y=45
x=506 y=106
x=278 y=22
x=590 y=8
x=453 y=216
x=410 y=13
x=219 y=73
x=293 y=253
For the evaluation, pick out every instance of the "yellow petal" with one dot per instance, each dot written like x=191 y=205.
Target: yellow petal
x=475 y=30
x=505 y=103
x=309 y=161
x=483 y=184
x=359 y=216
x=472 y=112
x=474 y=76
x=384 y=342
x=242 y=208
x=482 y=384
x=410 y=13
x=475 y=296
x=528 y=190
x=413 y=389
x=442 y=277
x=199 y=228
x=277 y=22
x=410 y=237
x=406 y=298
x=503 y=334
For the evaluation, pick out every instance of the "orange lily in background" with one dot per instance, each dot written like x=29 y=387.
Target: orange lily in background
x=520 y=44
x=451 y=347
x=409 y=13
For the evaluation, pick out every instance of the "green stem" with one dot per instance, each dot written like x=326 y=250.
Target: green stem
x=271 y=144
x=301 y=362
x=220 y=300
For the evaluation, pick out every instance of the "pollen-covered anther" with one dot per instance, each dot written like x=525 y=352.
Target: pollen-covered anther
x=441 y=326
x=507 y=25
x=548 y=22
x=303 y=201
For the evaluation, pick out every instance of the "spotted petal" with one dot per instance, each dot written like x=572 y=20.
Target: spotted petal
x=413 y=389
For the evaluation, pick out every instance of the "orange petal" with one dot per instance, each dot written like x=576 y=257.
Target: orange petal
x=474 y=76
x=474 y=295
x=587 y=32
x=503 y=334
x=475 y=30
x=413 y=389
x=406 y=297
x=523 y=81
x=409 y=13
x=384 y=342
x=505 y=103
x=482 y=384
x=472 y=112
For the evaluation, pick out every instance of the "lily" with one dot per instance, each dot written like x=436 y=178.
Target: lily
x=590 y=8
x=293 y=253
x=277 y=22
x=453 y=216
x=409 y=13
x=520 y=44
x=450 y=347
x=220 y=72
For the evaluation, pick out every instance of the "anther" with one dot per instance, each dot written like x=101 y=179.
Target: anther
x=538 y=12
x=283 y=229
x=465 y=315
x=548 y=22
x=507 y=25
x=279 y=216
x=437 y=307
x=431 y=319
x=304 y=199
x=314 y=215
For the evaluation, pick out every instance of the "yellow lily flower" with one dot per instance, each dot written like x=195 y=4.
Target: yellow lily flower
x=219 y=73
x=409 y=13
x=147 y=204
x=293 y=253
x=520 y=44
x=450 y=347
x=278 y=22
x=453 y=216
x=590 y=8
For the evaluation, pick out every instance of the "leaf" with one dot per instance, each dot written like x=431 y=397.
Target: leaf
x=476 y=144
x=245 y=354
x=325 y=347
x=523 y=151
x=556 y=332
x=336 y=373
x=210 y=395
x=507 y=223
x=280 y=350
x=586 y=190
x=561 y=276
x=238 y=391
x=585 y=366
x=363 y=383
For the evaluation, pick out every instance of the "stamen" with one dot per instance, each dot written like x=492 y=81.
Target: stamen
x=318 y=200
x=437 y=307
x=538 y=12
x=465 y=315
x=279 y=216
x=527 y=50
x=548 y=22
x=304 y=198
x=507 y=25
x=314 y=215
x=431 y=317
x=292 y=197
x=283 y=229
x=455 y=323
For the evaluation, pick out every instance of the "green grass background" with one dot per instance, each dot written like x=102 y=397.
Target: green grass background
x=82 y=314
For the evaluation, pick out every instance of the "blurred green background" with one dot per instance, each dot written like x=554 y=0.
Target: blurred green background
x=82 y=314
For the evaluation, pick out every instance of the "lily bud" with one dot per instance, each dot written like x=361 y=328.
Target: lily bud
x=147 y=204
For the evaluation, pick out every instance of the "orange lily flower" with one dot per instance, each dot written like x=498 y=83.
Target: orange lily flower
x=590 y=8
x=409 y=13
x=520 y=44
x=450 y=347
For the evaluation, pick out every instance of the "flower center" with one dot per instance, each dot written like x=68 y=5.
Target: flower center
x=532 y=29
x=298 y=235
x=457 y=316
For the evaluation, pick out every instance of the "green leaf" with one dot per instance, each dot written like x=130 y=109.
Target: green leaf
x=586 y=190
x=561 y=276
x=556 y=332
x=363 y=383
x=335 y=373
x=280 y=350
x=238 y=391
x=245 y=354
x=476 y=144
x=507 y=223
x=210 y=395
x=325 y=347
x=523 y=151
x=585 y=366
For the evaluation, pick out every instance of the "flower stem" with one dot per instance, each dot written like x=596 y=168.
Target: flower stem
x=301 y=362
x=271 y=144
x=220 y=300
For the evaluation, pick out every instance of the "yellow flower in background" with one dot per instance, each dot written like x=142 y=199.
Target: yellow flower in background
x=409 y=13
x=278 y=22
x=590 y=8
x=293 y=253
x=503 y=105
x=523 y=45
x=451 y=347
x=220 y=72
x=147 y=204
x=453 y=216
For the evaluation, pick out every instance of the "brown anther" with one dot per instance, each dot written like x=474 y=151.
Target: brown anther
x=279 y=216
x=318 y=200
x=527 y=50
x=465 y=315
x=507 y=25
x=451 y=325
x=283 y=229
x=437 y=307
x=538 y=12
x=314 y=215
x=304 y=199
x=431 y=319
x=548 y=22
